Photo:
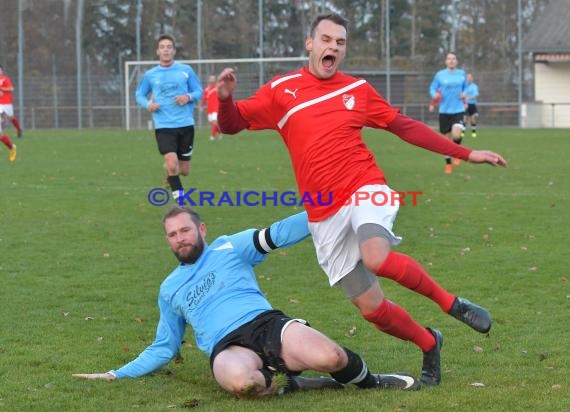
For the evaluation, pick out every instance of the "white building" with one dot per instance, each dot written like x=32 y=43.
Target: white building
x=549 y=43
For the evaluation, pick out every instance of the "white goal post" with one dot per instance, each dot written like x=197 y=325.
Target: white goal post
x=251 y=72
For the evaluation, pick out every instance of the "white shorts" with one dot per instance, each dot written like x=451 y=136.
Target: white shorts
x=8 y=109
x=213 y=117
x=335 y=238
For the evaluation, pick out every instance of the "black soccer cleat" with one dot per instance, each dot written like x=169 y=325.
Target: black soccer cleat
x=471 y=314
x=398 y=380
x=431 y=368
x=300 y=383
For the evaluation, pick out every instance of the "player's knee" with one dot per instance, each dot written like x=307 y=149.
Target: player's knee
x=330 y=359
x=244 y=385
x=374 y=261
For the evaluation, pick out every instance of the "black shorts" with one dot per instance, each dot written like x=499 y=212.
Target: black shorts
x=471 y=109
x=178 y=140
x=446 y=121
x=263 y=336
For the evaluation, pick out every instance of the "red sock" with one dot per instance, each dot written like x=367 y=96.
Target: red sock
x=394 y=320
x=407 y=272
x=214 y=129
x=16 y=123
x=6 y=140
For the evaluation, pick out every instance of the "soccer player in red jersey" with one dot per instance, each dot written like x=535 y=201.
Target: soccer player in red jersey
x=8 y=143
x=319 y=113
x=6 y=101
x=210 y=103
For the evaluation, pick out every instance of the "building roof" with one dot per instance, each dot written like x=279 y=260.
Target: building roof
x=551 y=31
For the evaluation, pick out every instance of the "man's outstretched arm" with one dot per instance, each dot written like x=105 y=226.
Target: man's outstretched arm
x=283 y=233
x=419 y=134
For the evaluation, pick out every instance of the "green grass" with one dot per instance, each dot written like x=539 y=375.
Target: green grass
x=83 y=256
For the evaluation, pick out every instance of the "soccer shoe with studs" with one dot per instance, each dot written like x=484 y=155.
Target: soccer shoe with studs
x=471 y=314
x=431 y=368
x=397 y=380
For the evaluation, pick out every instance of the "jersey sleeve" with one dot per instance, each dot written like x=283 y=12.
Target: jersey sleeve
x=143 y=90
x=434 y=86
x=194 y=86
x=169 y=335
x=419 y=134
x=254 y=244
x=380 y=113
x=256 y=110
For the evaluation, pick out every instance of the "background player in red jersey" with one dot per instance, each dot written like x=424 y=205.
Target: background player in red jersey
x=6 y=100
x=210 y=103
x=8 y=143
x=319 y=113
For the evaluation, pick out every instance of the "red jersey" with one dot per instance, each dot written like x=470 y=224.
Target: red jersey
x=210 y=99
x=6 y=97
x=320 y=122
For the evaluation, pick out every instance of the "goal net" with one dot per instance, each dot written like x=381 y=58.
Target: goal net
x=251 y=73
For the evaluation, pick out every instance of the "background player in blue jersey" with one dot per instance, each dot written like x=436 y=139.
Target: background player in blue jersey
x=169 y=91
x=448 y=86
x=214 y=289
x=471 y=114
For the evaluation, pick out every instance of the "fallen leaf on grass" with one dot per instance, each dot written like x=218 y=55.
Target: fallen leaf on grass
x=478 y=384
x=351 y=331
x=557 y=386
x=477 y=349
x=191 y=403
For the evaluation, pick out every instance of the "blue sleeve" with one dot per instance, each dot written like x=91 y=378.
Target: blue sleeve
x=475 y=90
x=434 y=86
x=253 y=245
x=169 y=335
x=195 y=87
x=143 y=90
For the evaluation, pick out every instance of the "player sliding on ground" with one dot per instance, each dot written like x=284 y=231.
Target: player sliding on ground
x=254 y=350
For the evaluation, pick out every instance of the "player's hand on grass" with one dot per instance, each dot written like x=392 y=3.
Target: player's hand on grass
x=104 y=376
x=226 y=83
x=486 y=156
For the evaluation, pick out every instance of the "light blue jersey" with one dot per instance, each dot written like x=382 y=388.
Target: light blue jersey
x=160 y=85
x=472 y=92
x=450 y=83
x=215 y=295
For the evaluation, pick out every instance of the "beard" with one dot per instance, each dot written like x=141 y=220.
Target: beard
x=192 y=255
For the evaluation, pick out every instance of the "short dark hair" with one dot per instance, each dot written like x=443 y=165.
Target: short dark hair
x=178 y=210
x=166 y=37
x=334 y=17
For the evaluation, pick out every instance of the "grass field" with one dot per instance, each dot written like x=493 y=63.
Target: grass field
x=83 y=255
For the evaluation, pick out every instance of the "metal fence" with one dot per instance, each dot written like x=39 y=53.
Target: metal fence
x=52 y=101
